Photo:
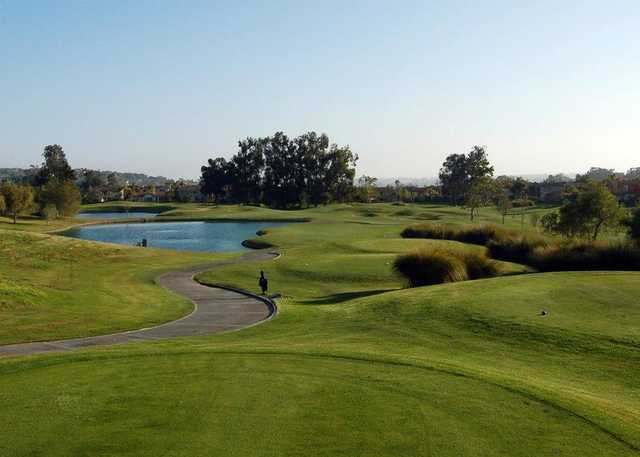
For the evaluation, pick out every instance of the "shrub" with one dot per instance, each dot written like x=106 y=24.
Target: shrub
x=586 y=255
x=422 y=267
x=427 y=267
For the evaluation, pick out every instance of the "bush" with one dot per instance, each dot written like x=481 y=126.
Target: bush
x=427 y=267
x=586 y=255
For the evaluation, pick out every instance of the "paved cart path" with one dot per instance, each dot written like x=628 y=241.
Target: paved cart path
x=216 y=310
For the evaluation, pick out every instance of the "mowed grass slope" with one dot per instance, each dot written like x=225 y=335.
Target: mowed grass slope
x=53 y=287
x=356 y=365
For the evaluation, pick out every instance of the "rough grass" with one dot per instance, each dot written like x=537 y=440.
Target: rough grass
x=53 y=287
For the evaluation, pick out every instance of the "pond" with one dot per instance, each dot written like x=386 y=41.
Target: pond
x=116 y=215
x=182 y=236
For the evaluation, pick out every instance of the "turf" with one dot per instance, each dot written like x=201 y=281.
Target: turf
x=355 y=364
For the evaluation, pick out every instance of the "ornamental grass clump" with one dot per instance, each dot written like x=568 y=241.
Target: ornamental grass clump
x=516 y=248
x=586 y=255
x=424 y=267
x=475 y=235
x=427 y=267
x=435 y=231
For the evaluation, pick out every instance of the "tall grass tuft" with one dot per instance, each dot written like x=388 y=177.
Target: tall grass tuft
x=426 y=267
x=586 y=255
x=479 y=265
x=423 y=267
x=516 y=248
x=435 y=231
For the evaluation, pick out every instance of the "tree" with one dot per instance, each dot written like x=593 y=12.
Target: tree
x=519 y=188
x=55 y=166
x=503 y=203
x=459 y=171
x=17 y=199
x=453 y=177
x=64 y=195
x=550 y=222
x=368 y=183
x=481 y=193
x=596 y=174
x=247 y=168
x=557 y=179
x=633 y=226
x=49 y=212
x=216 y=176
x=3 y=205
x=588 y=209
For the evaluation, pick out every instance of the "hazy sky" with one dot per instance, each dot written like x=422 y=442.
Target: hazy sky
x=158 y=87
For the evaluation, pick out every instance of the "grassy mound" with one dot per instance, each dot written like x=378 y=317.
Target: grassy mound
x=52 y=287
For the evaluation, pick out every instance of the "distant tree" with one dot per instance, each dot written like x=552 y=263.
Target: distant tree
x=247 y=168
x=460 y=171
x=556 y=179
x=49 y=212
x=588 y=209
x=520 y=189
x=64 y=195
x=633 y=226
x=17 y=199
x=503 y=203
x=633 y=173
x=55 y=166
x=368 y=183
x=454 y=177
x=596 y=174
x=550 y=222
x=481 y=193
x=91 y=180
x=3 y=205
x=216 y=176
x=113 y=182
x=340 y=171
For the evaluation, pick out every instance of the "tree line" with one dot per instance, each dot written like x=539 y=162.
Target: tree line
x=282 y=172
x=52 y=194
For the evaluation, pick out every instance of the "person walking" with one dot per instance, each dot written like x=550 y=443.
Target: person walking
x=264 y=283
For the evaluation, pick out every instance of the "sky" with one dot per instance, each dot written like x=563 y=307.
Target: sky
x=159 y=87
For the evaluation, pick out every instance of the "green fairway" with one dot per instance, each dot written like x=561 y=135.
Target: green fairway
x=354 y=364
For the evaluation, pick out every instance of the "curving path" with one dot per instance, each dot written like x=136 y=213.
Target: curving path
x=216 y=310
